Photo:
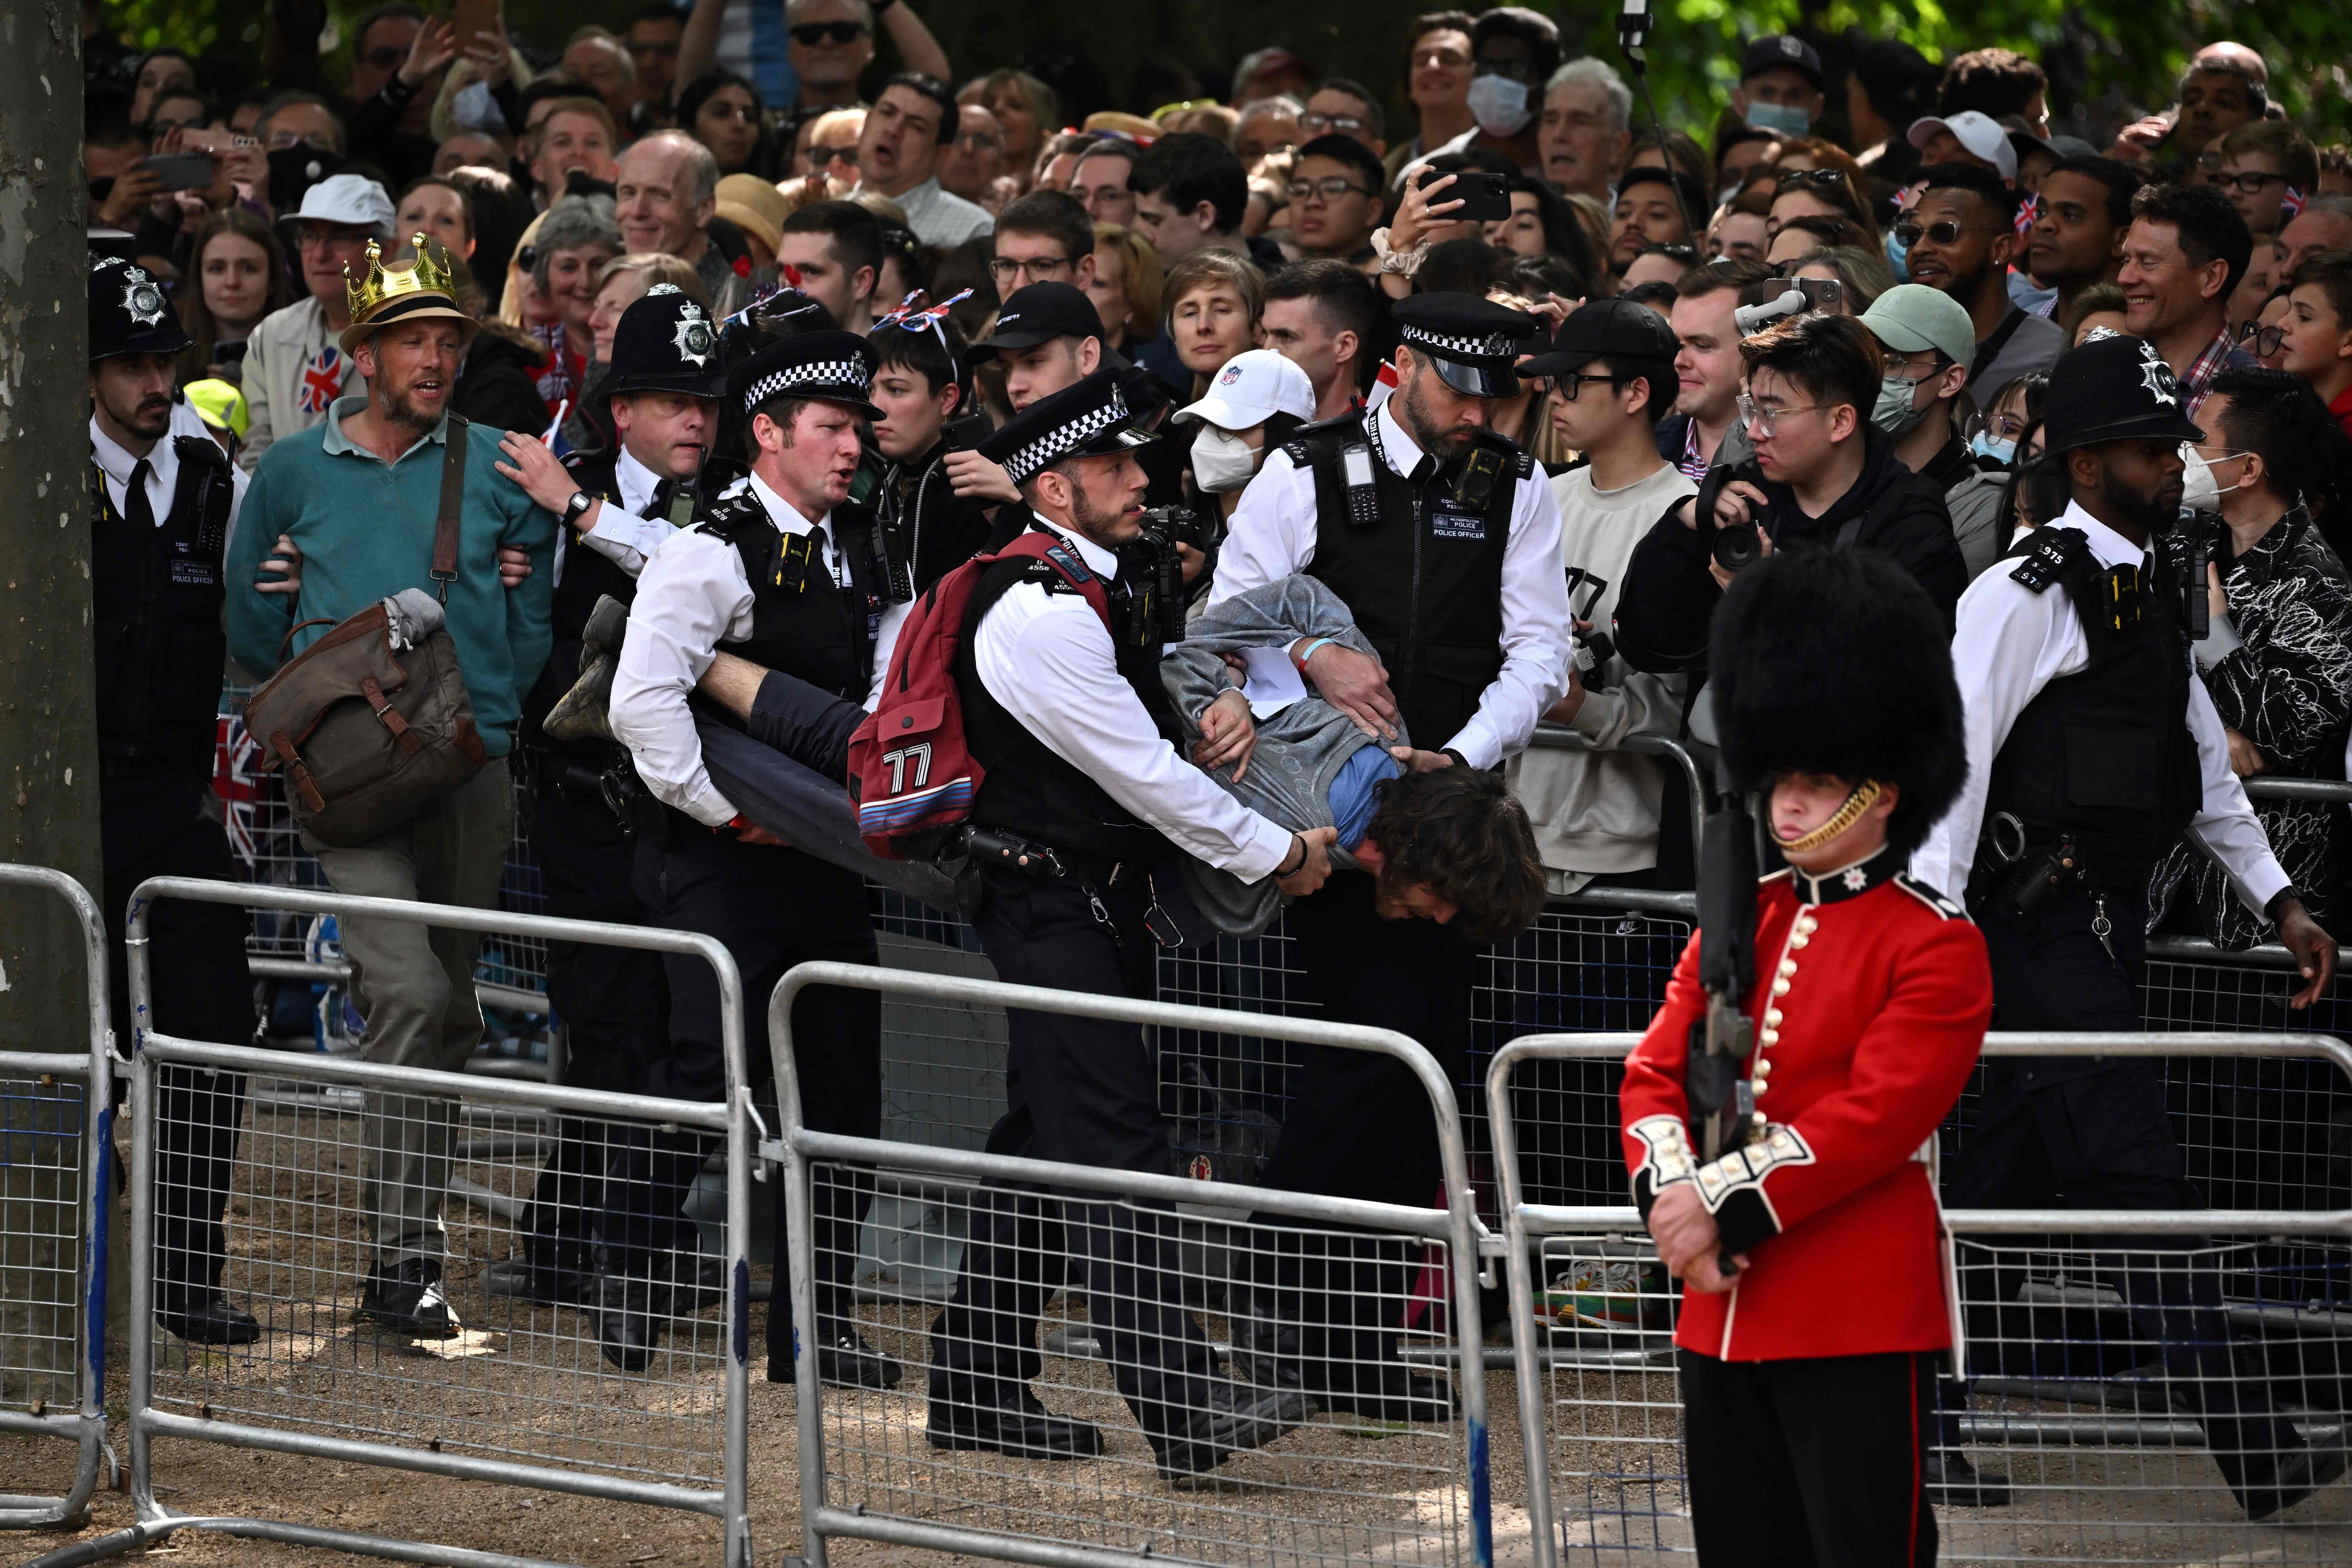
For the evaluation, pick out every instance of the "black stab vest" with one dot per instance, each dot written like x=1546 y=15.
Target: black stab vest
x=2105 y=754
x=1031 y=791
x=1423 y=578
x=156 y=596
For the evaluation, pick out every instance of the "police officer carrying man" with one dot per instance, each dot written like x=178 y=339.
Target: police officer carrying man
x=779 y=574
x=1083 y=792
x=2092 y=747
x=618 y=506
x=163 y=497
x=1445 y=541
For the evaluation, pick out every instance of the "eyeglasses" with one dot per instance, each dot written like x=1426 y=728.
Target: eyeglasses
x=1317 y=124
x=1004 y=267
x=808 y=35
x=384 y=56
x=1945 y=232
x=820 y=156
x=1332 y=187
x=2265 y=340
x=1824 y=179
x=2246 y=181
x=1766 y=421
x=1567 y=384
x=748 y=113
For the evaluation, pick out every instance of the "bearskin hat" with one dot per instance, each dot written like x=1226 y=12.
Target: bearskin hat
x=1836 y=661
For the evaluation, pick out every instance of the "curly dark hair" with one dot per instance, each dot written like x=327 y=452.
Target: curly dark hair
x=1462 y=834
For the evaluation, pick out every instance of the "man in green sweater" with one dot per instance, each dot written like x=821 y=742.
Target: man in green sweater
x=359 y=496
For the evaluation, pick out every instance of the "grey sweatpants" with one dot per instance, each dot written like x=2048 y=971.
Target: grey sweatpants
x=414 y=984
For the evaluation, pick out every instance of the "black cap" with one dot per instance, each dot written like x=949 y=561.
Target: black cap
x=1781 y=51
x=835 y=366
x=1471 y=340
x=1627 y=335
x=2113 y=388
x=1038 y=314
x=1836 y=661
x=665 y=342
x=128 y=312
x=1091 y=419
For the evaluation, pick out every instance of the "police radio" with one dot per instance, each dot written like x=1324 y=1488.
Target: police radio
x=1363 y=495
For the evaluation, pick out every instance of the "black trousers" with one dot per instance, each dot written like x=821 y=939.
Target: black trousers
x=1813 y=1463
x=171 y=826
x=611 y=1001
x=1360 y=1125
x=773 y=907
x=1084 y=1091
x=2083 y=1133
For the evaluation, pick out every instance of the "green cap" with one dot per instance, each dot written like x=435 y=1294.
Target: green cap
x=218 y=404
x=1912 y=317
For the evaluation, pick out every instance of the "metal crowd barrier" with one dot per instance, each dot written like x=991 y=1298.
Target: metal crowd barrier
x=527 y=1401
x=55 y=1139
x=2102 y=1445
x=1321 y=1493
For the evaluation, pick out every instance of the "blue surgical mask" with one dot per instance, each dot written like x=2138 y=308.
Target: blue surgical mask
x=1780 y=119
x=1500 y=105
x=1897 y=257
x=2000 y=449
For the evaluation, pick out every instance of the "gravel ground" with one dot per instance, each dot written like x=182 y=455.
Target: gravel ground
x=529 y=1383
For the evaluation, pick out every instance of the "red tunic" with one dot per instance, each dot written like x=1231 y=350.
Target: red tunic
x=1871 y=1001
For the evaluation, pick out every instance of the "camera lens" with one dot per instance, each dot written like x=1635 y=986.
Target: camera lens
x=1737 y=546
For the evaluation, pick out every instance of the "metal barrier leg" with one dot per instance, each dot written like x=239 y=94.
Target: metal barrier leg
x=55 y=1211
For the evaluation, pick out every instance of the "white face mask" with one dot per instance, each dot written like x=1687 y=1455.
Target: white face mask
x=2199 y=491
x=1221 y=461
x=1500 y=105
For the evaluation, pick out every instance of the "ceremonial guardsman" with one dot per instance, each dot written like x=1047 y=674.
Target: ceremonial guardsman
x=162 y=499
x=2093 y=749
x=618 y=505
x=780 y=572
x=1444 y=541
x=1834 y=697
x=1084 y=794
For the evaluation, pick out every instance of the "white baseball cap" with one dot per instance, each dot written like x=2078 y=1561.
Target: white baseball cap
x=1252 y=386
x=1980 y=133
x=353 y=199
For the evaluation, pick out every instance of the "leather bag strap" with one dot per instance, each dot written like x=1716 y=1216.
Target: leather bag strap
x=453 y=498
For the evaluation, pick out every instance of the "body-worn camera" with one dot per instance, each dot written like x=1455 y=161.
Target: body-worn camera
x=1157 y=603
x=1182 y=525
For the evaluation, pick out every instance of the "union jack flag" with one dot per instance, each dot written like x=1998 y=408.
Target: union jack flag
x=2292 y=203
x=2028 y=211
x=237 y=779
x=322 y=380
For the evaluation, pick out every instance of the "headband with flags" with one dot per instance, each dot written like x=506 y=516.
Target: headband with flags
x=2292 y=203
x=906 y=316
x=2027 y=212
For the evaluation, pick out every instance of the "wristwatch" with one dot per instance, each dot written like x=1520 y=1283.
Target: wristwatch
x=2270 y=910
x=580 y=502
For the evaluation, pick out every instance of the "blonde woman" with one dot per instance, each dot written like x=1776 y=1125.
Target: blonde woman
x=1215 y=305
x=1127 y=286
x=1026 y=112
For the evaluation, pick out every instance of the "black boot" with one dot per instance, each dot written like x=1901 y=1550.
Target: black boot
x=208 y=1318
x=1235 y=1418
x=632 y=1312
x=844 y=1359
x=1028 y=1431
x=1953 y=1481
x=407 y=1299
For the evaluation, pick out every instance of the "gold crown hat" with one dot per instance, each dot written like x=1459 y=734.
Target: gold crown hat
x=401 y=293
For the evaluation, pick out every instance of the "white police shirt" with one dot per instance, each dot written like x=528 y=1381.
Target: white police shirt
x=115 y=467
x=691 y=597
x=1049 y=660
x=2010 y=643
x=627 y=534
x=1273 y=537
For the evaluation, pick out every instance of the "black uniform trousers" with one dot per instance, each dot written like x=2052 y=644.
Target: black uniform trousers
x=1360 y=1125
x=610 y=1001
x=1084 y=1091
x=2086 y=1134
x=773 y=907
x=1808 y=1463
x=170 y=826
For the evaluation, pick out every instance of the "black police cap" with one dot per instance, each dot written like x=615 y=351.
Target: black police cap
x=2115 y=388
x=833 y=366
x=128 y=312
x=1472 y=342
x=665 y=342
x=1090 y=419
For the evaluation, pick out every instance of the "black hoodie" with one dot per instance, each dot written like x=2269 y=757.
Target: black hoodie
x=1669 y=596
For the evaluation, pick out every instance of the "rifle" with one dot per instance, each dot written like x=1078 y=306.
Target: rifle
x=1714 y=1079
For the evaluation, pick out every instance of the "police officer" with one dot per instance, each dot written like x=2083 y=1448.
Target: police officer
x=163 y=497
x=618 y=506
x=1083 y=792
x=2092 y=747
x=780 y=572
x=1444 y=540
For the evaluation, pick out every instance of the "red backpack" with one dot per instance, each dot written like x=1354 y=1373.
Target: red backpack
x=911 y=777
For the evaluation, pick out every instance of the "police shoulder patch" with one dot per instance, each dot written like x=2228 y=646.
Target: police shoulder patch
x=2054 y=552
x=1944 y=908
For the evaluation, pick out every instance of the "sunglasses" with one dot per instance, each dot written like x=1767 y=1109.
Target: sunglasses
x=820 y=156
x=810 y=34
x=1823 y=179
x=1944 y=232
x=1567 y=384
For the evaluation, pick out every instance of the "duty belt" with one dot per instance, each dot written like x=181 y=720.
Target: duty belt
x=1009 y=854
